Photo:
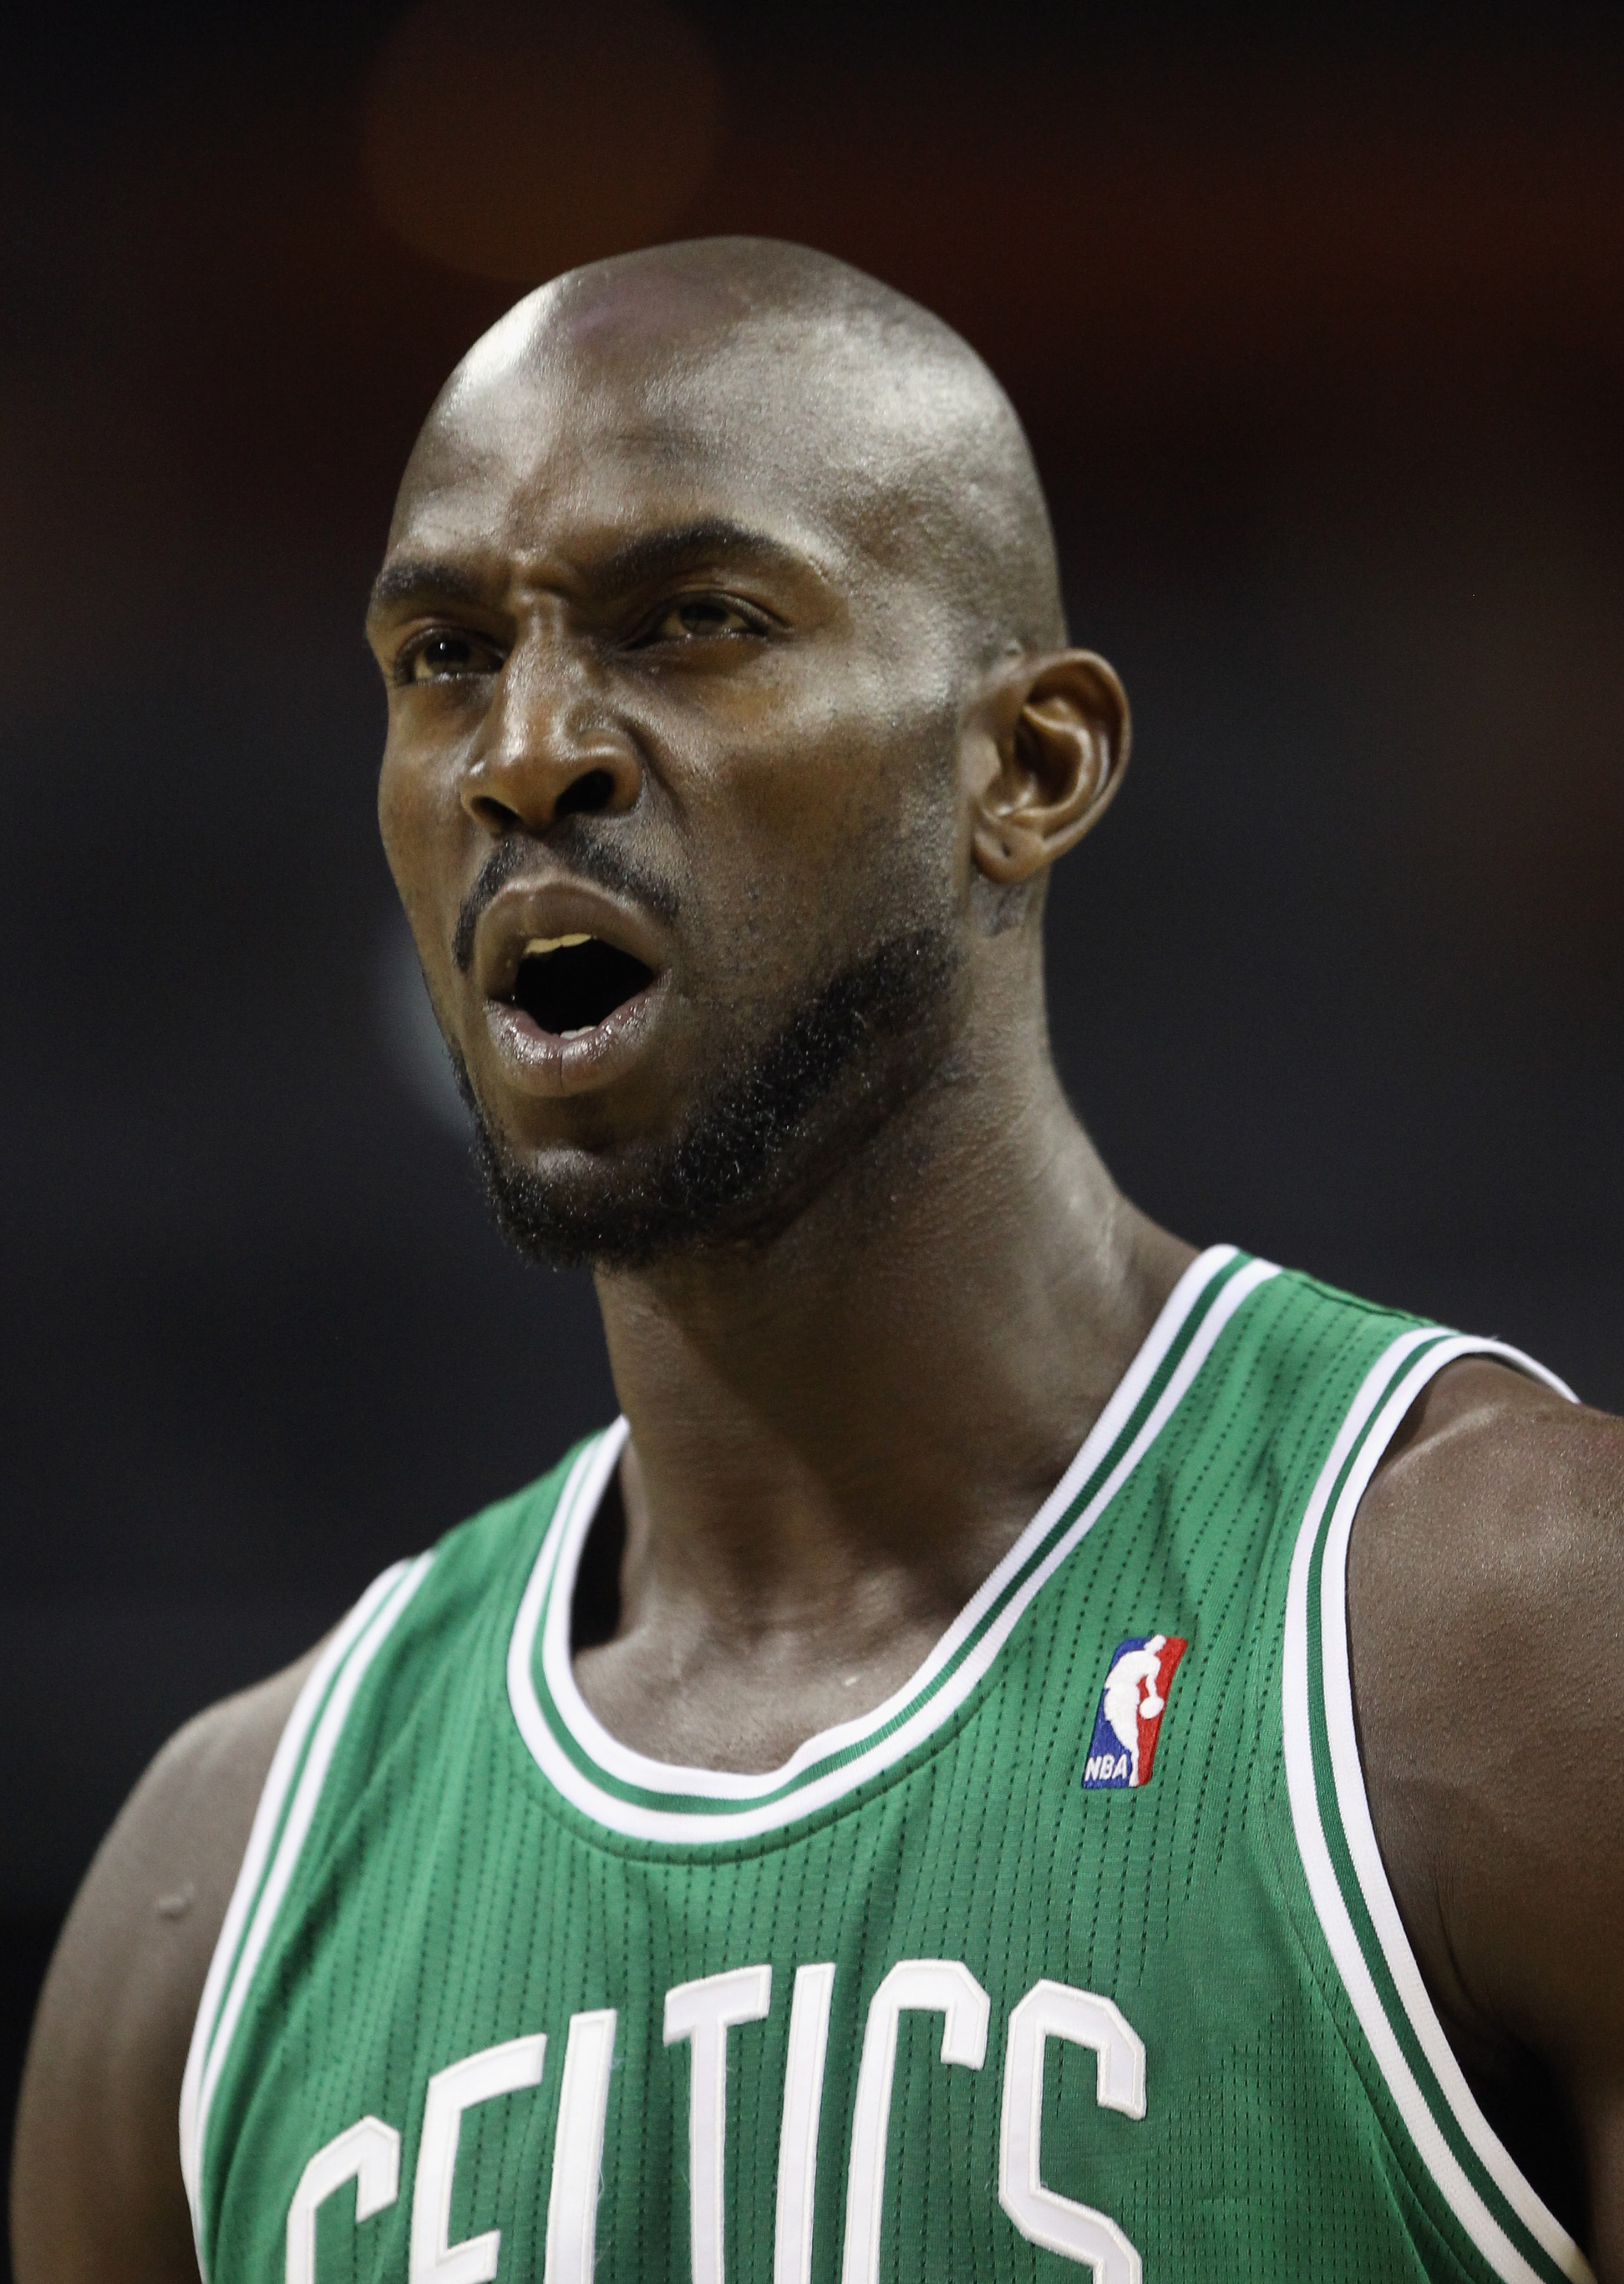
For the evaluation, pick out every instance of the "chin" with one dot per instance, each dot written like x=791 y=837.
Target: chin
x=788 y=1116
x=630 y=1211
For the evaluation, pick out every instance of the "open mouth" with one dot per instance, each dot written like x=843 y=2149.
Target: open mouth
x=569 y=984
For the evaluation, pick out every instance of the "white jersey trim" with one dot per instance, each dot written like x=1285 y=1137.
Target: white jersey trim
x=1382 y=1420
x=547 y=1600
x=294 y=1784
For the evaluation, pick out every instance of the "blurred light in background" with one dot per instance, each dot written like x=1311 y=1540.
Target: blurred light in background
x=511 y=141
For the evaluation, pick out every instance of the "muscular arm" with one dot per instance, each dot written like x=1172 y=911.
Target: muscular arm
x=96 y=2191
x=1486 y=1587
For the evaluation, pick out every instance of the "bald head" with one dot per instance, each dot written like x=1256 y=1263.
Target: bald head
x=857 y=402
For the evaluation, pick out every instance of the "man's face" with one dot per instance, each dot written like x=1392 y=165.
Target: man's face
x=668 y=787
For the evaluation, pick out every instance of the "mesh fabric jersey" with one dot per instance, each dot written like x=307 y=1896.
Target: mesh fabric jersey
x=1077 y=1954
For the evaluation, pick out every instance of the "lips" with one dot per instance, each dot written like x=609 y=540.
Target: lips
x=571 y=979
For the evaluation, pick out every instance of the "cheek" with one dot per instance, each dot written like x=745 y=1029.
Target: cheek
x=785 y=845
x=802 y=878
x=402 y=798
x=420 y=820
x=827 y=762
x=865 y=800
x=421 y=836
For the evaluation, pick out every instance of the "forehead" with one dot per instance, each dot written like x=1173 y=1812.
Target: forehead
x=611 y=421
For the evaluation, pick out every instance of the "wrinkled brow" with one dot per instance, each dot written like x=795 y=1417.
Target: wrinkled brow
x=655 y=554
x=636 y=562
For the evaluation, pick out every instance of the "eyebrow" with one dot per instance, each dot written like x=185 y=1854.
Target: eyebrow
x=424 y=581
x=636 y=563
x=656 y=553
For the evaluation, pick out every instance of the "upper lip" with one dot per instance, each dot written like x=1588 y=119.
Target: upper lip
x=519 y=913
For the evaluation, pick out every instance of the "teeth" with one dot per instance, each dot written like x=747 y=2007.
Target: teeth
x=541 y=944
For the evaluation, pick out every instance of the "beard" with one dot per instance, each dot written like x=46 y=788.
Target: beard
x=791 y=1110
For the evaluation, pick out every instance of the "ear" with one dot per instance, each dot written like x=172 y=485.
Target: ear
x=1061 y=730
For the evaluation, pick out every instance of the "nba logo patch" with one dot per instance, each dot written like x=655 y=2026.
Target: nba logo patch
x=1131 y=1705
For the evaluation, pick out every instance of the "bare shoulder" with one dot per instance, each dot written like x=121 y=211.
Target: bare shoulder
x=97 y=2190
x=1486 y=1571
x=1486 y=1608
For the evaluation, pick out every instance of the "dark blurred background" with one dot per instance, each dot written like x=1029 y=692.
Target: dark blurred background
x=1318 y=322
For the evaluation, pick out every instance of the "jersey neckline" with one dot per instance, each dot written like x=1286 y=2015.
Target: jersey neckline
x=643 y=1799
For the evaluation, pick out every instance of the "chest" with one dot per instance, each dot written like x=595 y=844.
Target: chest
x=972 y=2011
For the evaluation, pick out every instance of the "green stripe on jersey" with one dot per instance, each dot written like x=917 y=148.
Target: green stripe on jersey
x=948 y=1995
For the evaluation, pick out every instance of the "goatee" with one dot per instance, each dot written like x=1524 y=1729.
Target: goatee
x=777 y=1126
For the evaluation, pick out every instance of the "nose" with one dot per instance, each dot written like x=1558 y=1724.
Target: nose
x=548 y=748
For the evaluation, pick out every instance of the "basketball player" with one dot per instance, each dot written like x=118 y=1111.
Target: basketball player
x=1033 y=1750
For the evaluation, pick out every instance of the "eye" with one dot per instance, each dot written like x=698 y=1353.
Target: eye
x=443 y=655
x=692 y=617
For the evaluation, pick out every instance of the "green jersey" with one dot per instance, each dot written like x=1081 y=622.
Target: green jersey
x=1076 y=1954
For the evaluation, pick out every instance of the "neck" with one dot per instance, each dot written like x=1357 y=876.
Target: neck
x=864 y=1414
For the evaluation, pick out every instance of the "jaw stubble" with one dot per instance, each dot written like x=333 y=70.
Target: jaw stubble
x=785 y=1114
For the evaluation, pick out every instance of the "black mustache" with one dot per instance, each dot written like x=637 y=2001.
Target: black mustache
x=588 y=854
